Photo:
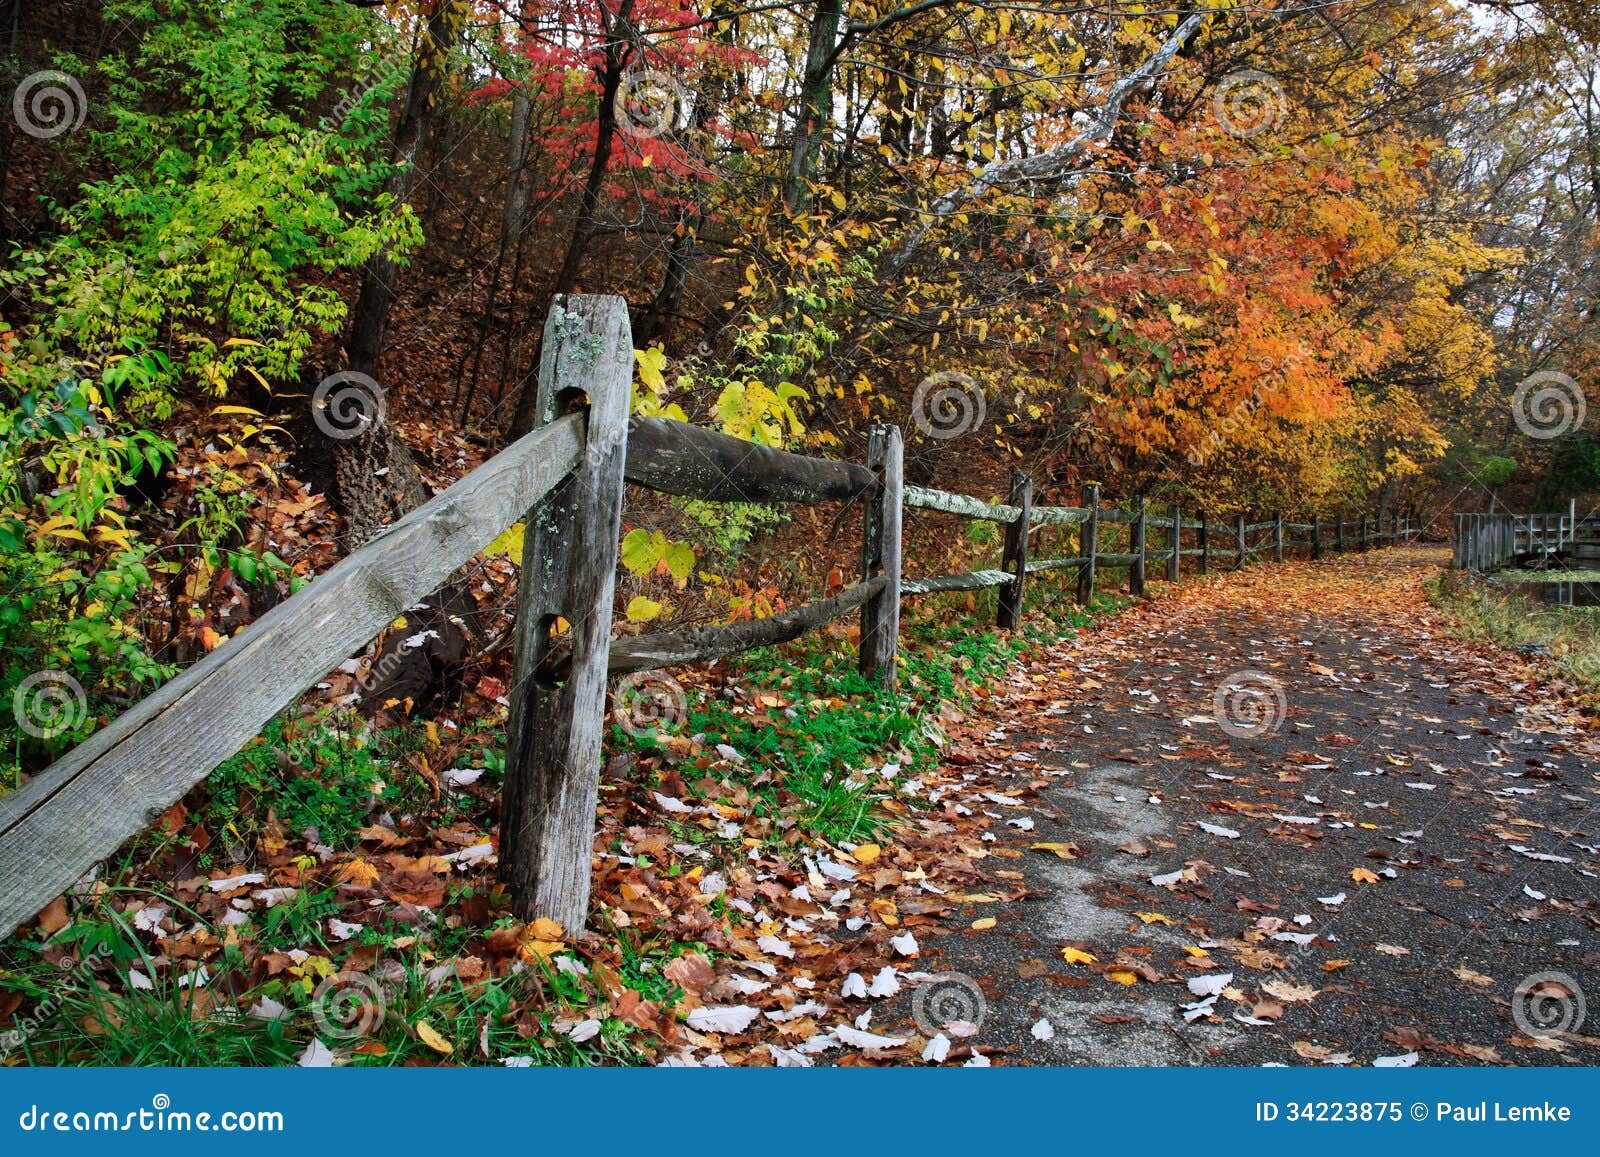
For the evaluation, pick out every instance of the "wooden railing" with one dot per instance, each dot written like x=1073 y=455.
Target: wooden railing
x=1487 y=542
x=566 y=481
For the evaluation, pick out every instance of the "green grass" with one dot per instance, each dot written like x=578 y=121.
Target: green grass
x=94 y=1016
x=810 y=770
x=813 y=761
x=1503 y=613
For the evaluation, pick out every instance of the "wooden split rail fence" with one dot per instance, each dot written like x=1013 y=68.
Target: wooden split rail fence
x=565 y=481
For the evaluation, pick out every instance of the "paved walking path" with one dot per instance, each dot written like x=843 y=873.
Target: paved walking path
x=1378 y=831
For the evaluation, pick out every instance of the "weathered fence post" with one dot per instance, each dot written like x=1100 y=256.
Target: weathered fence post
x=1338 y=545
x=553 y=731
x=1175 y=541
x=1316 y=536
x=1009 y=613
x=880 y=555
x=1205 y=544
x=1137 y=532
x=1089 y=543
x=1238 y=562
x=1277 y=537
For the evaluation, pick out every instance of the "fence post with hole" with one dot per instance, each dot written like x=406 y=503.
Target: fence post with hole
x=880 y=555
x=1175 y=541
x=1277 y=537
x=1137 y=549
x=1238 y=562
x=553 y=731
x=1015 y=559
x=1088 y=544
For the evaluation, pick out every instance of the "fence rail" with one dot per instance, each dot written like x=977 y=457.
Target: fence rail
x=1487 y=542
x=565 y=481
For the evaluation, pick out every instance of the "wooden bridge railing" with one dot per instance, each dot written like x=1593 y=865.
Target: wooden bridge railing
x=1487 y=542
x=565 y=480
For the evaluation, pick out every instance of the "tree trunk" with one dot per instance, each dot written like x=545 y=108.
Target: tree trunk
x=370 y=318
x=618 y=54
x=376 y=480
x=816 y=90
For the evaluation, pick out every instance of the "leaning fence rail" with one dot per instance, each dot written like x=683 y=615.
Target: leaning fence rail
x=565 y=481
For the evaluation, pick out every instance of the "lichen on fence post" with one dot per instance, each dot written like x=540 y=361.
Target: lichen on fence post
x=553 y=731
x=1008 y=615
x=880 y=555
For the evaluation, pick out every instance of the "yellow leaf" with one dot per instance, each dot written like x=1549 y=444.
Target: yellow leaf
x=358 y=872
x=429 y=1036
x=1197 y=952
x=540 y=949
x=866 y=853
x=1062 y=851
x=1076 y=955
x=1154 y=918
x=642 y=610
x=1123 y=976
x=1362 y=876
x=508 y=543
x=984 y=924
x=651 y=363
x=546 y=929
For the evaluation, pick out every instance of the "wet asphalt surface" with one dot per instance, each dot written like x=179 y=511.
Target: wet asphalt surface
x=1361 y=739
